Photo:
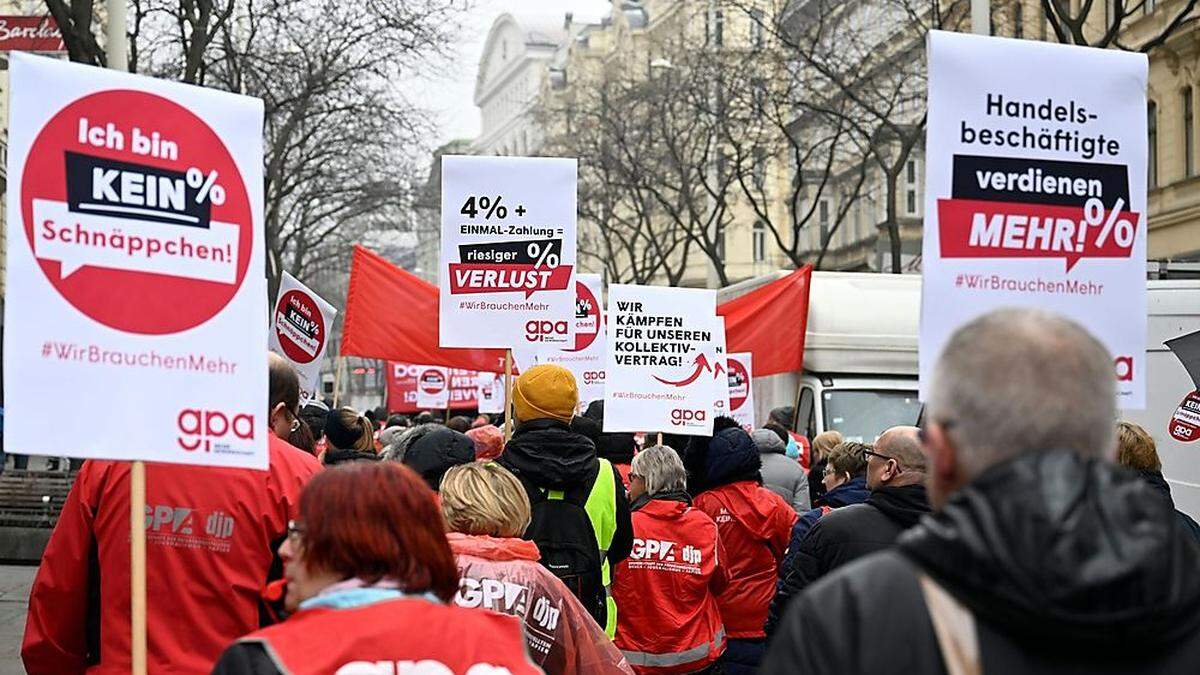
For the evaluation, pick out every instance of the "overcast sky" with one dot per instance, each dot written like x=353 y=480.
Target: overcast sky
x=449 y=98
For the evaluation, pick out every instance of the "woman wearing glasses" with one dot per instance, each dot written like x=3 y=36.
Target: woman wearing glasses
x=370 y=576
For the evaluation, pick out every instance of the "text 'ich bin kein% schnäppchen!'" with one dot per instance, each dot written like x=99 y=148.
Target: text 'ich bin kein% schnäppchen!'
x=508 y=251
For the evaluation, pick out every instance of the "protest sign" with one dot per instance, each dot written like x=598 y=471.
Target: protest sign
x=508 y=251
x=490 y=393
x=740 y=370
x=300 y=330
x=720 y=368
x=1035 y=192
x=135 y=258
x=585 y=356
x=402 y=388
x=433 y=387
x=659 y=365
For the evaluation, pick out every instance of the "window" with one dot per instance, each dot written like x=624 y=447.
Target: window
x=1152 y=144
x=720 y=242
x=1189 y=134
x=1148 y=6
x=756 y=28
x=759 y=241
x=1019 y=19
x=823 y=219
x=910 y=188
x=760 y=169
x=758 y=89
x=718 y=27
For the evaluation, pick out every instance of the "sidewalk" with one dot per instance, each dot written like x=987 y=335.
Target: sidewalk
x=14 y=596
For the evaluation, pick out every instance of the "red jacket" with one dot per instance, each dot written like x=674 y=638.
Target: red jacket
x=211 y=535
x=755 y=525
x=504 y=575
x=424 y=636
x=668 y=620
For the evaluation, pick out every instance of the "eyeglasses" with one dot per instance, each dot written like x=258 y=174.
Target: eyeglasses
x=871 y=453
x=295 y=532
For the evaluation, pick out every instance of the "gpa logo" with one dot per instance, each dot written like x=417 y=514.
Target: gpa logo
x=593 y=377
x=681 y=417
x=422 y=667
x=546 y=331
x=206 y=429
x=1124 y=368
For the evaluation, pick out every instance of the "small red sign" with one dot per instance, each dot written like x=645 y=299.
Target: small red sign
x=30 y=34
x=1185 y=423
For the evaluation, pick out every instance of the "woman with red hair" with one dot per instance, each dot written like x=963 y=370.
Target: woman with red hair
x=370 y=576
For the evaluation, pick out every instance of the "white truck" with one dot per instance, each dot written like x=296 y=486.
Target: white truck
x=860 y=364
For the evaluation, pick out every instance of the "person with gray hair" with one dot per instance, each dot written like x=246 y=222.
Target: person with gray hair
x=1041 y=555
x=667 y=588
x=781 y=474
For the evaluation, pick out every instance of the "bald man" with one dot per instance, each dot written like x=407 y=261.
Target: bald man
x=896 y=470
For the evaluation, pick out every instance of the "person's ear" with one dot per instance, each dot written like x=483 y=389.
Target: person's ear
x=279 y=409
x=943 y=455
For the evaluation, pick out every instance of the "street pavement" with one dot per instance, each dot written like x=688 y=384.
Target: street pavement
x=15 y=581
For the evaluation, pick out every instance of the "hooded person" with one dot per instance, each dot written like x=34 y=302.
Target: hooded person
x=351 y=437
x=781 y=475
x=798 y=446
x=577 y=506
x=617 y=448
x=1040 y=556
x=753 y=524
x=431 y=450
x=489 y=441
x=486 y=510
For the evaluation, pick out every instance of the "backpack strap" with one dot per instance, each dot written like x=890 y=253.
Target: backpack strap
x=954 y=626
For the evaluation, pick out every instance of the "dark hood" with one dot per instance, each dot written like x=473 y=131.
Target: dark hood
x=335 y=456
x=1067 y=550
x=434 y=453
x=727 y=457
x=853 y=491
x=550 y=455
x=617 y=448
x=1157 y=482
x=905 y=504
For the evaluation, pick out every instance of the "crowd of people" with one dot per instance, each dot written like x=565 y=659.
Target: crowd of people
x=1018 y=530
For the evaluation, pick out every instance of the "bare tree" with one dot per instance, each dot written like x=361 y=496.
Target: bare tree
x=1100 y=23
x=341 y=140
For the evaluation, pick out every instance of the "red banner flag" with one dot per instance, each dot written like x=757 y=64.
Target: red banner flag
x=770 y=322
x=392 y=315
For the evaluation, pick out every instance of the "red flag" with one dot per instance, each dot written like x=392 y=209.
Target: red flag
x=770 y=322
x=392 y=314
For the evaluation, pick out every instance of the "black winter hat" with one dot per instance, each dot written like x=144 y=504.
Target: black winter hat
x=434 y=453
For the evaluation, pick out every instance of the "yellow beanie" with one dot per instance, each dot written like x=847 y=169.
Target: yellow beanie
x=546 y=391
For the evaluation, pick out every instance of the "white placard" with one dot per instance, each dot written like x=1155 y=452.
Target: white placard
x=740 y=371
x=299 y=332
x=659 y=376
x=135 y=258
x=585 y=357
x=433 y=387
x=508 y=251
x=1035 y=192
x=490 y=393
x=720 y=371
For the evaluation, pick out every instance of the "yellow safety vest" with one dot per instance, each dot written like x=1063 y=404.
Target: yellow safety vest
x=601 y=508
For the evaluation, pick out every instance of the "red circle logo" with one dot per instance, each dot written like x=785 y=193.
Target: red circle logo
x=739 y=384
x=299 y=326
x=136 y=212
x=587 y=317
x=432 y=382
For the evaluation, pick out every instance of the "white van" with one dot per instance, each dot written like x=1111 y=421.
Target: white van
x=860 y=364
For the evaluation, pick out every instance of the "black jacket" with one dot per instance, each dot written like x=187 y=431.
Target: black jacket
x=1156 y=481
x=1068 y=565
x=847 y=534
x=548 y=454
